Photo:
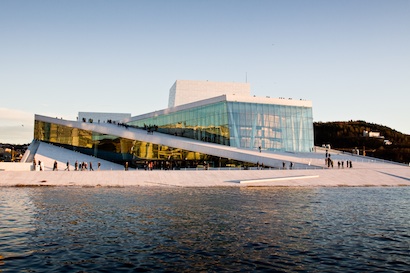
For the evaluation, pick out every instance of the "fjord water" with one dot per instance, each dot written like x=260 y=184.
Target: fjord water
x=204 y=229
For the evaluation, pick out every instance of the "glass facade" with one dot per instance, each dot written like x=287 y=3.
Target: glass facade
x=243 y=125
x=206 y=123
x=120 y=150
x=271 y=127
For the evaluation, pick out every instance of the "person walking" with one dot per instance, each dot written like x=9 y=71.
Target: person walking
x=55 y=166
x=67 y=166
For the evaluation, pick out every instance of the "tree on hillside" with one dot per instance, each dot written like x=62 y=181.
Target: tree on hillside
x=349 y=135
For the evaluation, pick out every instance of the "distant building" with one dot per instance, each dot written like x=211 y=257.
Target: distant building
x=372 y=134
x=387 y=142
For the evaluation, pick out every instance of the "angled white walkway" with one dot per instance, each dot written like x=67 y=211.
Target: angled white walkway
x=48 y=153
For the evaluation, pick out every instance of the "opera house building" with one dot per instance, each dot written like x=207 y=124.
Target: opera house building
x=206 y=123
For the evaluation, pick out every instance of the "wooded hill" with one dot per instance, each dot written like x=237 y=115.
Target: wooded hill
x=348 y=135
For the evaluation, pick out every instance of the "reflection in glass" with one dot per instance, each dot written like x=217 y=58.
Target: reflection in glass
x=120 y=150
x=239 y=124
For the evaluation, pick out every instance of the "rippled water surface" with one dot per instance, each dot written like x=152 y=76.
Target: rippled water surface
x=204 y=229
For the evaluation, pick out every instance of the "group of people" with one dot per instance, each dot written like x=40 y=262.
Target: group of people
x=150 y=128
x=38 y=165
x=260 y=166
x=340 y=163
x=290 y=165
x=83 y=166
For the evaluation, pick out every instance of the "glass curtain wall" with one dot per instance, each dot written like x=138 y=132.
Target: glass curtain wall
x=206 y=123
x=121 y=150
x=243 y=125
x=270 y=127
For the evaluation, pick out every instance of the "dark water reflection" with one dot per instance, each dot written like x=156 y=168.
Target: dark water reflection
x=215 y=229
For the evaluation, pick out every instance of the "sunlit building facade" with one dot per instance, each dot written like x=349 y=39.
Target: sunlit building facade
x=119 y=149
x=234 y=119
x=242 y=122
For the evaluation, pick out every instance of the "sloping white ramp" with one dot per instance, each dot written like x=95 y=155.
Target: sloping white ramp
x=252 y=156
x=48 y=153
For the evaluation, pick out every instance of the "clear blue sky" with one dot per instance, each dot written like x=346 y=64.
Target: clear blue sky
x=351 y=58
